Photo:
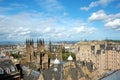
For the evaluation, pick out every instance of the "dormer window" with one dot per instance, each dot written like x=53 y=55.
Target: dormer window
x=7 y=70
x=12 y=68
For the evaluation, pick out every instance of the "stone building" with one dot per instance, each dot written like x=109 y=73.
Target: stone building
x=36 y=57
x=68 y=71
x=55 y=50
x=113 y=56
x=104 y=54
x=8 y=70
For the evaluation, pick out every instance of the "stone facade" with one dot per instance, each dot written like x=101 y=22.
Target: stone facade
x=104 y=54
x=38 y=57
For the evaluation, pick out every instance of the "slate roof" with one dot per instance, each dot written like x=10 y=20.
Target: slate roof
x=50 y=73
x=113 y=76
x=73 y=72
x=7 y=66
x=7 y=70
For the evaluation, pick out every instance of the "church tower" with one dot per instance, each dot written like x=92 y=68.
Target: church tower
x=50 y=48
x=29 y=50
x=42 y=54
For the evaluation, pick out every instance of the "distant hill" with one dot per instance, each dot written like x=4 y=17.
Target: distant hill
x=21 y=42
x=10 y=42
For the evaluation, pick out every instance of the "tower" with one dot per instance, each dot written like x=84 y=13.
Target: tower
x=29 y=50
x=42 y=55
x=50 y=49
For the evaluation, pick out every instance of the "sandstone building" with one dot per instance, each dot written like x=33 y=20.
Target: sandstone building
x=36 y=56
x=104 y=54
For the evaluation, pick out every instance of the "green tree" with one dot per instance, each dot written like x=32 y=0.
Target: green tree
x=16 y=56
x=66 y=55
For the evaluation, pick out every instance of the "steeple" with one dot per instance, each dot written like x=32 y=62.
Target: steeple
x=37 y=41
x=43 y=41
x=26 y=41
x=50 y=46
x=40 y=42
x=32 y=42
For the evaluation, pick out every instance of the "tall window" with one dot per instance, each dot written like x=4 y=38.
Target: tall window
x=7 y=70
x=1 y=71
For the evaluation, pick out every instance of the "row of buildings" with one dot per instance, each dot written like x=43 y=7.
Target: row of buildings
x=104 y=54
x=94 y=59
x=8 y=70
x=40 y=60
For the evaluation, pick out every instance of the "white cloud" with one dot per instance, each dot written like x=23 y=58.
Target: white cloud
x=111 y=20
x=39 y=25
x=95 y=4
x=92 y=4
x=84 y=29
x=18 y=5
x=105 y=2
x=65 y=14
x=21 y=29
x=24 y=33
x=84 y=8
x=113 y=24
x=50 y=5
x=99 y=15
x=47 y=30
x=78 y=29
x=12 y=7
x=3 y=9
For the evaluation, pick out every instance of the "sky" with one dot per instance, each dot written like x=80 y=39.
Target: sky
x=59 y=20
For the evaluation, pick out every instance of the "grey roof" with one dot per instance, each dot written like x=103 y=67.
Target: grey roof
x=114 y=76
x=24 y=72
x=73 y=72
x=7 y=66
x=7 y=70
x=50 y=73
x=34 y=75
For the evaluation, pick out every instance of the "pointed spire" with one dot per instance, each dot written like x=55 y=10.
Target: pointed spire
x=26 y=41
x=37 y=41
x=43 y=41
x=40 y=41
x=50 y=42
x=56 y=61
x=50 y=46
x=70 y=58
x=32 y=42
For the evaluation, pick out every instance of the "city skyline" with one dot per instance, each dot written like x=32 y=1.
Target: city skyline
x=59 y=20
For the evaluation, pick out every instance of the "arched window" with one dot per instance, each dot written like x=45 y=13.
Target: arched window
x=1 y=71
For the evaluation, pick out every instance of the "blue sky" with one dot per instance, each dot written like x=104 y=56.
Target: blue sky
x=59 y=20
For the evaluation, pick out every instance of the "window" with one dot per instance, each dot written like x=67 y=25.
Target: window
x=7 y=70
x=12 y=68
x=1 y=71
